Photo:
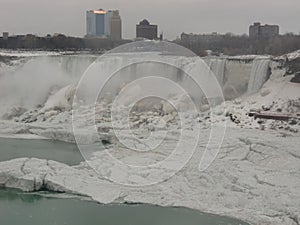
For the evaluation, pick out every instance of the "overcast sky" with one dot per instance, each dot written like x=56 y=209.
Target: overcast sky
x=173 y=16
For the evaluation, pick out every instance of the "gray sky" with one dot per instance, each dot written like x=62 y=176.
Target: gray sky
x=173 y=16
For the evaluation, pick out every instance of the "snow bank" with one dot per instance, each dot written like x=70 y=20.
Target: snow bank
x=26 y=53
x=290 y=56
x=278 y=95
x=62 y=100
x=248 y=57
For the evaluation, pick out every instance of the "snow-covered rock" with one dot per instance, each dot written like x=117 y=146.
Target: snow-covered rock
x=290 y=56
x=61 y=100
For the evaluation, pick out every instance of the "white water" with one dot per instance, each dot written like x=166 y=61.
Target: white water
x=218 y=67
x=235 y=77
x=30 y=84
x=136 y=66
x=259 y=75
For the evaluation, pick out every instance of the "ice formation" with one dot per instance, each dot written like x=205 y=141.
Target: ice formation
x=258 y=75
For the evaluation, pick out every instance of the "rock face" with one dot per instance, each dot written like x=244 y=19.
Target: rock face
x=296 y=78
x=256 y=178
x=293 y=65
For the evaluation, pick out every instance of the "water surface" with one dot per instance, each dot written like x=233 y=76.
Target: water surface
x=42 y=149
x=18 y=208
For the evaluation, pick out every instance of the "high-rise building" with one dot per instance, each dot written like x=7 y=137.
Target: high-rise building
x=263 y=31
x=146 y=30
x=90 y=23
x=108 y=16
x=95 y=21
x=115 y=26
x=105 y=24
x=5 y=35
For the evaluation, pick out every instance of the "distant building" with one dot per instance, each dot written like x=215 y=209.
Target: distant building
x=258 y=31
x=146 y=30
x=107 y=22
x=115 y=26
x=5 y=35
x=95 y=23
x=104 y=24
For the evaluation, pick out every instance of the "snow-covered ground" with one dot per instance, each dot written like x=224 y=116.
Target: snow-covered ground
x=26 y=53
x=278 y=95
x=290 y=56
x=255 y=177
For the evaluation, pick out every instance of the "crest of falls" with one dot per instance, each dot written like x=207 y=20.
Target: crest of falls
x=259 y=74
x=138 y=65
x=31 y=84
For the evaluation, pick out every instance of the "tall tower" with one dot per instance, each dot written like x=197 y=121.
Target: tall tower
x=254 y=30
x=107 y=29
x=258 y=31
x=115 y=26
x=95 y=22
x=90 y=23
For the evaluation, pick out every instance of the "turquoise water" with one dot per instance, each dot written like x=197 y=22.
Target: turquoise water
x=18 y=208
x=43 y=149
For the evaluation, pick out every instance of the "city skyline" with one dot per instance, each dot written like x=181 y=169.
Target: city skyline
x=173 y=17
x=104 y=24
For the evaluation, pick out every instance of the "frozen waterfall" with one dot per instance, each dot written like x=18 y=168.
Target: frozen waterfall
x=217 y=66
x=18 y=86
x=259 y=74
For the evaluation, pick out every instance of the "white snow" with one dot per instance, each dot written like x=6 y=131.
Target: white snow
x=23 y=136
x=26 y=53
x=62 y=100
x=290 y=56
x=249 y=57
x=278 y=93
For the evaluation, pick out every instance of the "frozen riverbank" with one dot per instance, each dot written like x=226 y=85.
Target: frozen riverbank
x=255 y=178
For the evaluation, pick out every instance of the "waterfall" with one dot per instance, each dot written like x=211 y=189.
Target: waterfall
x=167 y=66
x=217 y=66
x=30 y=84
x=259 y=74
x=75 y=65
